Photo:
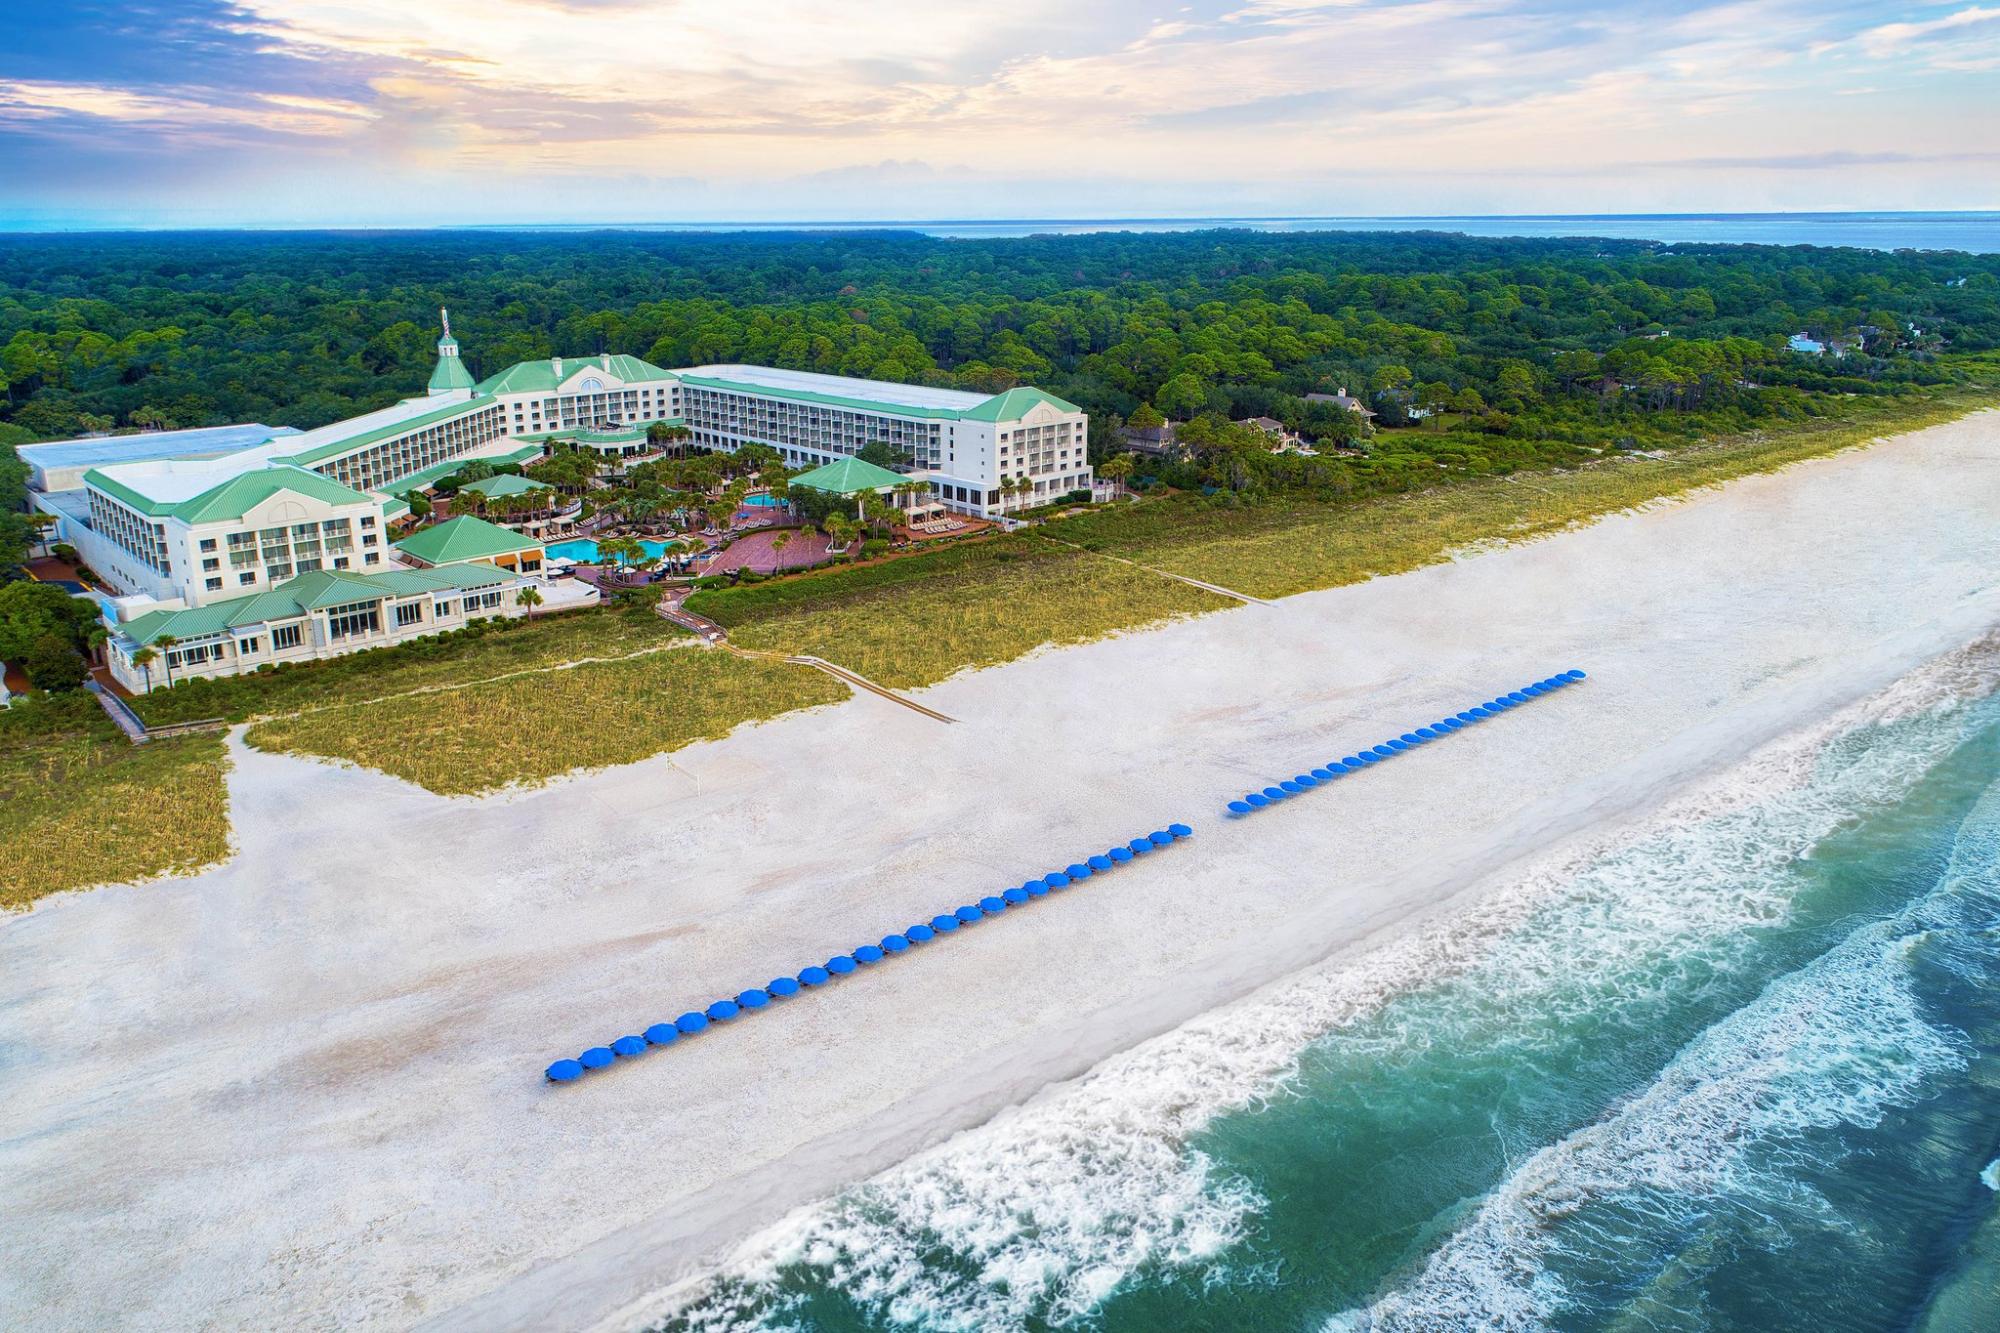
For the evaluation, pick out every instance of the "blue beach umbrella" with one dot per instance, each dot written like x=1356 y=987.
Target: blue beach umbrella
x=565 y=1071
x=1306 y=780
x=1140 y=846
x=1124 y=854
x=992 y=905
x=783 y=988
x=1369 y=757
x=1428 y=733
x=1240 y=807
x=895 y=943
x=629 y=1046
x=1159 y=837
x=1574 y=674
x=1034 y=888
x=1015 y=897
x=754 y=998
x=945 y=924
x=1055 y=879
x=596 y=1057
x=869 y=953
x=1398 y=745
x=815 y=976
x=663 y=1034
x=1256 y=800
x=1382 y=752
x=723 y=1010
x=920 y=934
x=1412 y=738
x=1517 y=697
x=968 y=914
x=1483 y=711
x=1275 y=793
x=1099 y=862
x=1290 y=788
x=1323 y=775
x=1180 y=830
x=1353 y=763
x=841 y=964
x=692 y=1021
x=1077 y=870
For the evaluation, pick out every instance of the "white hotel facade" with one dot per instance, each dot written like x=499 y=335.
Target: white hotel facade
x=208 y=527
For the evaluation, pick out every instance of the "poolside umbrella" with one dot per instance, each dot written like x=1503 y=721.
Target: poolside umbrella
x=783 y=988
x=596 y=1057
x=1099 y=862
x=691 y=1022
x=840 y=965
x=1159 y=837
x=1240 y=807
x=1055 y=879
x=565 y=1071
x=945 y=924
x=723 y=1010
x=814 y=976
x=663 y=1034
x=629 y=1046
x=1180 y=830
x=920 y=934
x=967 y=915
x=1077 y=870
x=869 y=953
x=1257 y=800
x=991 y=905
x=1124 y=854
x=1140 y=846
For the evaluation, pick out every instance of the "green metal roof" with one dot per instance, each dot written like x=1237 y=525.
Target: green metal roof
x=849 y=476
x=508 y=484
x=464 y=538
x=1015 y=404
x=425 y=478
x=235 y=497
x=305 y=594
x=540 y=376
x=451 y=372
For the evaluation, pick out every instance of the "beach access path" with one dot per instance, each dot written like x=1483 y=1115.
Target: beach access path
x=304 y=1088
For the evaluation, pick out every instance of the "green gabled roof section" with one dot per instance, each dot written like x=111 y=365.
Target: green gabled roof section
x=321 y=452
x=464 y=538
x=540 y=376
x=234 y=498
x=451 y=372
x=305 y=594
x=505 y=484
x=425 y=478
x=850 y=476
x=1015 y=404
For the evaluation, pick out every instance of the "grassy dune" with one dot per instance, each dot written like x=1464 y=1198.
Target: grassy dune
x=530 y=729
x=916 y=621
x=81 y=805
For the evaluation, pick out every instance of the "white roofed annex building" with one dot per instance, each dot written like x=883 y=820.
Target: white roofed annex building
x=240 y=512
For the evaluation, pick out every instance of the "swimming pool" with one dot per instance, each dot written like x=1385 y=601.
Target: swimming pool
x=584 y=551
x=763 y=502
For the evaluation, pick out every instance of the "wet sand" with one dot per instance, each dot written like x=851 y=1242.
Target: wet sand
x=304 y=1088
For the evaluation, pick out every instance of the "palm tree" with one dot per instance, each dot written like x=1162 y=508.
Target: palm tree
x=529 y=598
x=778 y=545
x=1116 y=468
x=166 y=642
x=144 y=659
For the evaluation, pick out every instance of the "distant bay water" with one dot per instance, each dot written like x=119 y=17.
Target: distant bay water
x=1973 y=232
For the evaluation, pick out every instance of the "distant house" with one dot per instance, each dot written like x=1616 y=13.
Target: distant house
x=1805 y=346
x=1280 y=437
x=1344 y=401
x=1162 y=440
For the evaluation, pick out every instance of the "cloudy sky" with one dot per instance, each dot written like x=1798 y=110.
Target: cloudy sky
x=275 y=112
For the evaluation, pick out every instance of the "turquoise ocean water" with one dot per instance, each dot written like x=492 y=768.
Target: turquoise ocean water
x=1731 y=1068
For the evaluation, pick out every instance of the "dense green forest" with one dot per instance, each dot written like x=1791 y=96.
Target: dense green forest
x=1515 y=352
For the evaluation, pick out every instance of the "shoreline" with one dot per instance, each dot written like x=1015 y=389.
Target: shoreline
x=329 y=1112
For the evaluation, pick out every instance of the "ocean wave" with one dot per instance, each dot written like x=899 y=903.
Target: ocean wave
x=1038 y=1216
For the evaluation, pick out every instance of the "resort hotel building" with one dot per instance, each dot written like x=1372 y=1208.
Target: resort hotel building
x=245 y=546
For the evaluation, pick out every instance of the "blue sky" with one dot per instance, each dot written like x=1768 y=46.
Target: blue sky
x=387 y=112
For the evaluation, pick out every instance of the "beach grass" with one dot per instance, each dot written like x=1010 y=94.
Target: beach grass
x=490 y=649
x=1281 y=548
x=916 y=621
x=528 y=729
x=81 y=805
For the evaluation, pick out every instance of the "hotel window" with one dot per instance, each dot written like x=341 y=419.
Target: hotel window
x=409 y=613
x=344 y=622
x=246 y=579
x=212 y=584
x=443 y=609
x=286 y=636
x=367 y=521
x=208 y=543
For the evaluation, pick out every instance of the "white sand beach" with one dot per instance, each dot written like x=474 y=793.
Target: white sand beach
x=304 y=1089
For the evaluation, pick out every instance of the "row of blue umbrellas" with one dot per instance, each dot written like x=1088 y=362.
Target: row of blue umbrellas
x=1251 y=802
x=845 y=964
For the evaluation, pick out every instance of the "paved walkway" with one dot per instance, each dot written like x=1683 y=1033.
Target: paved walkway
x=753 y=551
